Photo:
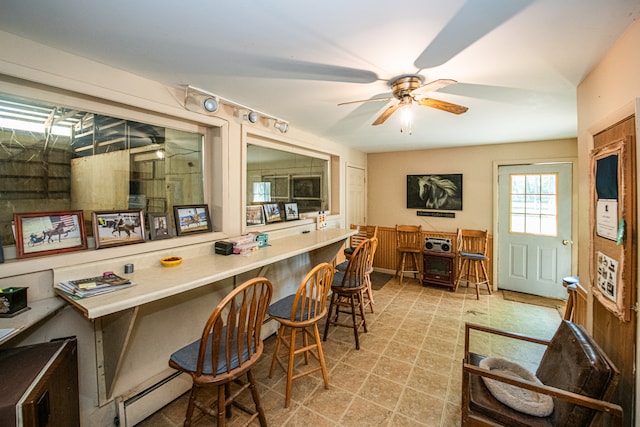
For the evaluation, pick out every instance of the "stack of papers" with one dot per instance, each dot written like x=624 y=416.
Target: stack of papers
x=92 y=286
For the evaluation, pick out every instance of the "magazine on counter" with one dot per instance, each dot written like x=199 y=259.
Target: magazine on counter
x=91 y=286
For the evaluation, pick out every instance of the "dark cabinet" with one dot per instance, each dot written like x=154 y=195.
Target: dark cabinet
x=439 y=268
x=39 y=385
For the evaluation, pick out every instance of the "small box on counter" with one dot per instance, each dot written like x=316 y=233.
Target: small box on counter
x=223 y=248
x=12 y=300
x=263 y=240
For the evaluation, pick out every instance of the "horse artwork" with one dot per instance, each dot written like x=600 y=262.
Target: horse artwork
x=58 y=231
x=438 y=192
x=192 y=219
x=114 y=228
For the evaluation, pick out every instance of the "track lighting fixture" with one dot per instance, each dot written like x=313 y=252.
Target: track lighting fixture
x=281 y=126
x=201 y=101
x=211 y=105
x=252 y=116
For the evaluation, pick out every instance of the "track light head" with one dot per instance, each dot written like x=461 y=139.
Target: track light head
x=211 y=105
x=282 y=126
x=252 y=116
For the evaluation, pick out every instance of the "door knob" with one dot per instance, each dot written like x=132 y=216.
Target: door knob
x=566 y=242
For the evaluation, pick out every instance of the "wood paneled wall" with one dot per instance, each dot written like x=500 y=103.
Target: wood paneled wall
x=386 y=255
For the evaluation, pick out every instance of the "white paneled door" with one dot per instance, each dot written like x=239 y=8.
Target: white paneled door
x=356 y=192
x=534 y=228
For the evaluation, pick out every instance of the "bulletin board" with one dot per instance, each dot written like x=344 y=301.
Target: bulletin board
x=612 y=220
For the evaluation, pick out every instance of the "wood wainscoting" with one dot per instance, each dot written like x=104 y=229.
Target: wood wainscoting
x=386 y=255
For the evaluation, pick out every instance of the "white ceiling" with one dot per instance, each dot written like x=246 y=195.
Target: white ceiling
x=518 y=62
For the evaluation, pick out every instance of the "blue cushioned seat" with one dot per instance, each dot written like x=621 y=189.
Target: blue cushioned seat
x=282 y=309
x=472 y=255
x=187 y=356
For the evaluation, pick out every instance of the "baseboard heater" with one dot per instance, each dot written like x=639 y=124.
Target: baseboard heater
x=134 y=408
x=140 y=404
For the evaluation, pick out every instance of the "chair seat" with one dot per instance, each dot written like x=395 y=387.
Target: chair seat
x=472 y=255
x=342 y=266
x=282 y=309
x=187 y=357
x=349 y=251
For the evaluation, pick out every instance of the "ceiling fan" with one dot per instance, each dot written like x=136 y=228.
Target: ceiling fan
x=409 y=89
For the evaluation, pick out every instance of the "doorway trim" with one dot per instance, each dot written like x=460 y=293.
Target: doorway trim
x=574 y=207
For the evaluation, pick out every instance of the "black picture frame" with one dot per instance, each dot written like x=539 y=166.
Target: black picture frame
x=290 y=211
x=191 y=219
x=159 y=226
x=435 y=192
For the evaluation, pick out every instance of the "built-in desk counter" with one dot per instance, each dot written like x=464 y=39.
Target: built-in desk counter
x=137 y=328
x=156 y=281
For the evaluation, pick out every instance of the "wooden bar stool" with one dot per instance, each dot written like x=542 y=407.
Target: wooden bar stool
x=300 y=313
x=347 y=292
x=472 y=254
x=409 y=243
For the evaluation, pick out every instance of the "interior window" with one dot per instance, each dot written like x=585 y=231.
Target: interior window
x=281 y=176
x=56 y=158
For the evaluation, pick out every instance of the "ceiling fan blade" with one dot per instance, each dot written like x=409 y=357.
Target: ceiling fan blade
x=386 y=114
x=365 y=100
x=433 y=86
x=474 y=20
x=442 y=105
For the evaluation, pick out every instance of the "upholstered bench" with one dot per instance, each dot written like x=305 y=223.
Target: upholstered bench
x=573 y=370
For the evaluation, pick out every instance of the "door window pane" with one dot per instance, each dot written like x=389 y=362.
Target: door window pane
x=534 y=204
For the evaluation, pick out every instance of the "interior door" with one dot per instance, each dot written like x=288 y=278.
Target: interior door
x=534 y=228
x=356 y=193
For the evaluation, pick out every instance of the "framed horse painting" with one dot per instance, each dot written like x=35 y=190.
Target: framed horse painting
x=46 y=233
x=436 y=192
x=115 y=228
x=192 y=219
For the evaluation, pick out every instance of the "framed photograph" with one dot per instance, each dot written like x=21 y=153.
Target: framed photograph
x=271 y=212
x=438 y=192
x=115 y=228
x=290 y=210
x=159 y=226
x=192 y=219
x=255 y=215
x=306 y=187
x=45 y=233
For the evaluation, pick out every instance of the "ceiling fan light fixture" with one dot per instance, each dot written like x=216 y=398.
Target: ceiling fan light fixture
x=406 y=116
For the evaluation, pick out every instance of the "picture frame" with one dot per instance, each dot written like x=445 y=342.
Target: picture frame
x=271 y=213
x=255 y=215
x=191 y=219
x=48 y=233
x=116 y=228
x=307 y=187
x=435 y=192
x=290 y=210
x=159 y=226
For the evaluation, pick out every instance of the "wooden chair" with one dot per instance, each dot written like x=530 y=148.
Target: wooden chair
x=347 y=292
x=368 y=291
x=409 y=243
x=364 y=232
x=229 y=347
x=472 y=259
x=574 y=371
x=300 y=313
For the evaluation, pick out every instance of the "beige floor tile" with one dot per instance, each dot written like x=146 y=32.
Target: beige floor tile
x=408 y=370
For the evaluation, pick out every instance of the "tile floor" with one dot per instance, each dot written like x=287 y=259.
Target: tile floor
x=408 y=369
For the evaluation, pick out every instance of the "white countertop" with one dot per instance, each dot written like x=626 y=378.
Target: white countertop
x=154 y=282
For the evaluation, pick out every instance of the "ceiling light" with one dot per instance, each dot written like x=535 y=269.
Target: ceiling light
x=406 y=115
x=211 y=105
x=252 y=116
x=282 y=126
